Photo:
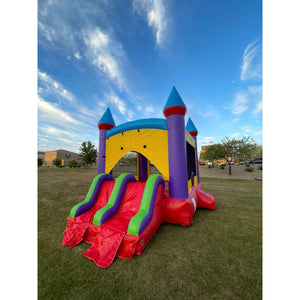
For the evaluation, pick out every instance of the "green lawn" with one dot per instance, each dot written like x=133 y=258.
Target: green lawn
x=218 y=257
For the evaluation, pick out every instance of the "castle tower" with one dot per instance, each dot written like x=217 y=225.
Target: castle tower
x=106 y=122
x=174 y=112
x=191 y=128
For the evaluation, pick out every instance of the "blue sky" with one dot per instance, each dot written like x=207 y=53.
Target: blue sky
x=127 y=55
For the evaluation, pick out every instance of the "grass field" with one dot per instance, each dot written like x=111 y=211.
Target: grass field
x=218 y=257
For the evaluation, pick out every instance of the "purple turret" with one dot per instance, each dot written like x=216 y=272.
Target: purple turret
x=191 y=128
x=174 y=112
x=106 y=122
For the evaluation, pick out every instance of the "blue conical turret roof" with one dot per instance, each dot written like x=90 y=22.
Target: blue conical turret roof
x=174 y=99
x=107 y=118
x=190 y=126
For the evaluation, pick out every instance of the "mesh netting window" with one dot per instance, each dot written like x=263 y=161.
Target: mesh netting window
x=191 y=160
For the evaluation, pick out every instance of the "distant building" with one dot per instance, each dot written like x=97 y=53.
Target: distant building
x=62 y=154
x=41 y=155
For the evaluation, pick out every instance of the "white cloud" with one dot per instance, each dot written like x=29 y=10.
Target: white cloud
x=120 y=105
x=59 y=30
x=234 y=135
x=149 y=109
x=258 y=108
x=246 y=130
x=250 y=131
x=211 y=114
x=251 y=61
x=48 y=143
x=239 y=104
x=207 y=140
x=255 y=89
x=255 y=92
x=51 y=113
x=54 y=131
x=55 y=30
x=104 y=53
x=244 y=100
x=49 y=86
x=77 y=55
x=155 y=13
x=70 y=143
x=230 y=122
x=47 y=32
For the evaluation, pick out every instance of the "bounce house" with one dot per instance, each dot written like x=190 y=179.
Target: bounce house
x=120 y=215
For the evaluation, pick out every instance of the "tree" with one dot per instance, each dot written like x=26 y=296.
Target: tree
x=259 y=151
x=40 y=161
x=57 y=162
x=73 y=163
x=229 y=149
x=88 y=153
x=246 y=148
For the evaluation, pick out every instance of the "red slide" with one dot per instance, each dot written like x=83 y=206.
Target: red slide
x=76 y=227
x=107 y=238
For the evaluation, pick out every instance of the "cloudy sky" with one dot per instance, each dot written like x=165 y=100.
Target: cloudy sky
x=127 y=55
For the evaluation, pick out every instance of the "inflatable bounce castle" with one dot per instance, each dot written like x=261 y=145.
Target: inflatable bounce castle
x=119 y=216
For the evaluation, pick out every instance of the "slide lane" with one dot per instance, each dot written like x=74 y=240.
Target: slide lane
x=111 y=222
x=147 y=220
x=137 y=215
x=81 y=215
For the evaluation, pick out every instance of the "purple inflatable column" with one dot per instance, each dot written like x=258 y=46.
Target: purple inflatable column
x=174 y=111
x=105 y=123
x=191 y=128
x=102 y=150
x=143 y=167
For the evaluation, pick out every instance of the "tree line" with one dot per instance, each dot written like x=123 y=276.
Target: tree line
x=229 y=149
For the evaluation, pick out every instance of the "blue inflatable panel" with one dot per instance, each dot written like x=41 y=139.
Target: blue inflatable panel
x=152 y=123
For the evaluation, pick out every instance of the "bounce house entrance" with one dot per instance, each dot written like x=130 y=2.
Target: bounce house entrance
x=136 y=164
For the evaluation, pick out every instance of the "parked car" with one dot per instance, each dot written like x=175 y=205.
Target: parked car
x=201 y=163
x=256 y=160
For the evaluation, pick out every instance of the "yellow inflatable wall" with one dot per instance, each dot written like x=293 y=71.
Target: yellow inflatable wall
x=152 y=143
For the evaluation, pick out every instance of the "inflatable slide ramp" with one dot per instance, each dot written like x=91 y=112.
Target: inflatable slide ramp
x=120 y=220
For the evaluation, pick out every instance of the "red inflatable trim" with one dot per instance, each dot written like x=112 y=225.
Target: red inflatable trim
x=179 y=211
x=193 y=133
x=174 y=110
x=105 y=126
x=205 y=200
